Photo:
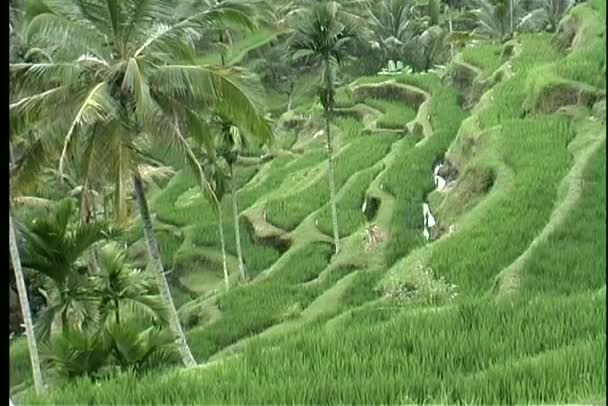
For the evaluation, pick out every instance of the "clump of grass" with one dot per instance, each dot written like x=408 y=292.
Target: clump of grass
x=424 y=287
x=485 y=56
x=395 y=115
x=362 y=289
x=343 y=97
x=20 y=370
x=351 y=128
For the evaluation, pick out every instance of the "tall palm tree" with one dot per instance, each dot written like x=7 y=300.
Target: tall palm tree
x=25 y=307
x=215 y=169
x=231 y=141
x=15 y=12
x=115 y=74
x=322 y=34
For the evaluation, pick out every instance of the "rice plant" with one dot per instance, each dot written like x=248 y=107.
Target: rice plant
x=395 y=115
x=351 y=128
x=573 y=259
x=485 y=56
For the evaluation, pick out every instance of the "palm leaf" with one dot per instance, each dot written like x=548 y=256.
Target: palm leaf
x=97 y=106
x=228 y=90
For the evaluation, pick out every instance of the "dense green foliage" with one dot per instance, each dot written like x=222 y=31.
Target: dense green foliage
x=501 y=301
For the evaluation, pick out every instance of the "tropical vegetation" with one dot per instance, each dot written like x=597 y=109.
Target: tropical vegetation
x=305 y=201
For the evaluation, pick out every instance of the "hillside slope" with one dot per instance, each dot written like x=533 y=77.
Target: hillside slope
x=501 y=300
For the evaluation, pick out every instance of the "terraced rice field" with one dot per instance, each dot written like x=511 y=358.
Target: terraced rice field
x=507 y=307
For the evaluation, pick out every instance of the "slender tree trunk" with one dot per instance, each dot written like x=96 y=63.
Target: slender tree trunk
x=157 y=265
x=88 y=216
x=511 y=17
x=117 y=311
x=451 y=30
x=290 y=94
x=220 y=228
x=25 y=308
x=221 y=41
x=64 y=320
x=237 y=228
x=332 y=186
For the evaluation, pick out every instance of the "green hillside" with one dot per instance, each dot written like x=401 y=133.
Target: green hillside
x=503 y=301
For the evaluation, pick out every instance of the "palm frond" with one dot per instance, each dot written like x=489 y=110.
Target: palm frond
x=76 y=35
x=182 y=144
x=135 y=83
x=39 y=75
x=98 y=106
x=87 y=235
x=228 y=90
x=77 y=352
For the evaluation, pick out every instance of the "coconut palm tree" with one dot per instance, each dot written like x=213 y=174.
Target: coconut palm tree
x=115 y=74
x=25 y=307
x=394 y=26
x=15 y=12
x=323 y=34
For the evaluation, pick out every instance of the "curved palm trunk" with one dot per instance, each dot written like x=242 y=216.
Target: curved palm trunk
x=25 y=308
x=237 y=229
x=157 y=265
x=332 y=186
x=220 y=226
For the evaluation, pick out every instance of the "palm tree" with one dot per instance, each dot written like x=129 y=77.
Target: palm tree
x=54 y=246
x=216 y=171
x=322 y=35
x=545 y=15
x=115 y=74
x=231 y=142
x=118 y=285
x=496 y=18
x=394 y=25
x=25 y=307
x=15 y=258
